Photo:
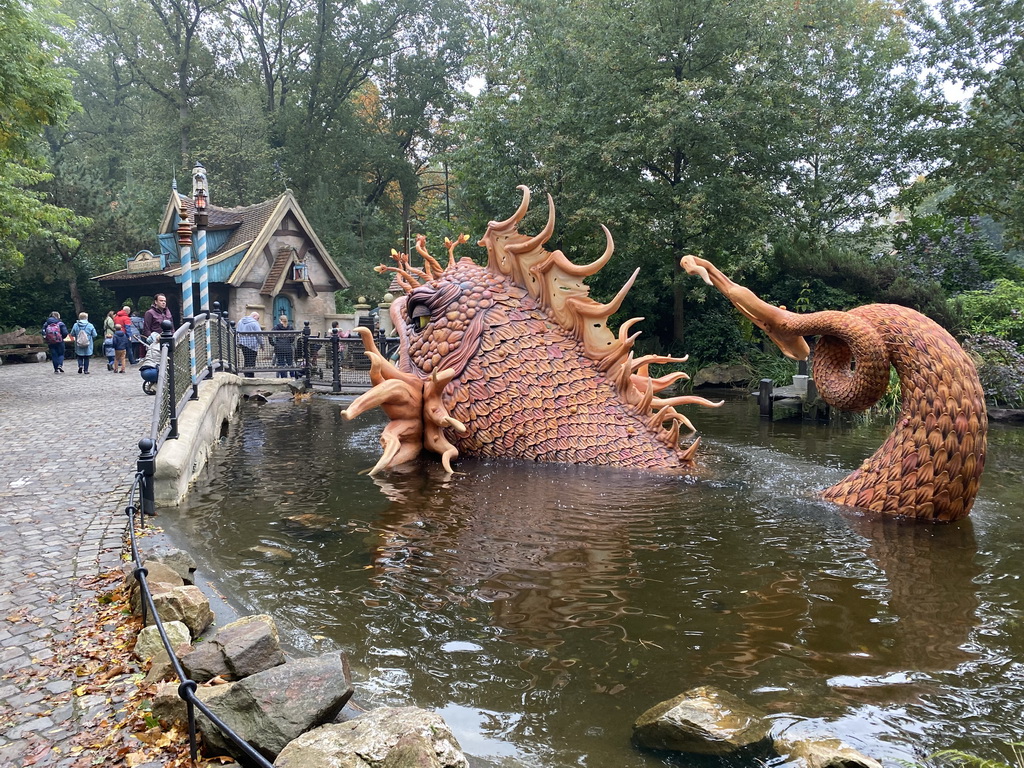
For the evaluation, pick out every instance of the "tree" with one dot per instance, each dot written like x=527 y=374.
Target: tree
x=170 y=48
x=979 y=47
x=34 y=94
x=708 y=126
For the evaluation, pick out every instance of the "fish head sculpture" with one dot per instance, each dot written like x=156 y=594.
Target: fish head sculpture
x=514 y=359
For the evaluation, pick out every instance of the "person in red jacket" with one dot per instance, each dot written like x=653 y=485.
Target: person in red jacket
x=124 y=317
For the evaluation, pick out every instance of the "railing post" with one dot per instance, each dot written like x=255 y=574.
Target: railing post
x=147 y=468
x=335 y=359
x=305 y=353
x=167 y=340
x=220 y=336
x=191 y=323
x=232 y=347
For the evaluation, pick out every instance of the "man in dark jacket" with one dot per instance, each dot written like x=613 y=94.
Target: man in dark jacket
x=155 y=315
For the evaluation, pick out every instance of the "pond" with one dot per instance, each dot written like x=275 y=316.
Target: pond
x=541 y=608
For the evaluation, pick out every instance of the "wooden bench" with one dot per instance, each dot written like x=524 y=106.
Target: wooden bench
x=22 y=346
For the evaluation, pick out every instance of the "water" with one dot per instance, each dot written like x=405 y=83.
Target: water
x=540 y=608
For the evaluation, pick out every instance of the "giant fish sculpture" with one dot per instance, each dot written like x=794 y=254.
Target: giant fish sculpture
x=514 y=360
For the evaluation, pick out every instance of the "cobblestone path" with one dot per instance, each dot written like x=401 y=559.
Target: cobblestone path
x=68 y=447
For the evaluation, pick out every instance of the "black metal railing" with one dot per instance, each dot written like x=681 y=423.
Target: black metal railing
x=140 y=503
x=336 y=361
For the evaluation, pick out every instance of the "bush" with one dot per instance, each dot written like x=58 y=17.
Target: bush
x=998 y=312
x=1001 y=368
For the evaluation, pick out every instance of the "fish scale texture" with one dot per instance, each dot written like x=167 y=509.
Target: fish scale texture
x=931 y=464
x=529 y=392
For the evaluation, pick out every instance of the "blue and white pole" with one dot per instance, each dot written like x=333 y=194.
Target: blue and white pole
x=187 y=308
x=201 y=198
x=204 y=297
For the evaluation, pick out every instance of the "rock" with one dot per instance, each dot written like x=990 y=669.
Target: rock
x=186 y=604
x=159 y=577
x=272 y=554
x=405 y=737
x=149 y=643
x=722 y=376
x=1006 y=415
x=239 y=649
x=271 y=708
x=160 y=668
x=178 y=560
x=168 y=707
x=156 y=573
x=703 y=720
x=413 y=750
x=820 y=752
x=155 y=590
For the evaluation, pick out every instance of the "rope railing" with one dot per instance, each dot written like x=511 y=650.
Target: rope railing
x=142 y=491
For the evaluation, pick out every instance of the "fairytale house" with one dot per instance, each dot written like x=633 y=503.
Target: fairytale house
x=264 y=258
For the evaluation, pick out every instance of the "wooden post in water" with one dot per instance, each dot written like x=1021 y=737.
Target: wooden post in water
x=766 y=397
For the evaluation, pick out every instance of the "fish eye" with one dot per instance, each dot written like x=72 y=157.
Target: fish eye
x=419 y=313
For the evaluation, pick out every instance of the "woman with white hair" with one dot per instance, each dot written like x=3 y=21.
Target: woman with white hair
x=249 y=340
x=84 y=333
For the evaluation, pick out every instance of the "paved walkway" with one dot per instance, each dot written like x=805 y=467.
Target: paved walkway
x=68 y=446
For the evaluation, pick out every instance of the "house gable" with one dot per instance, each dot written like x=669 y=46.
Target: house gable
x=287 y=228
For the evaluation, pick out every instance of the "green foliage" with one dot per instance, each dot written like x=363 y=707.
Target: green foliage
x=998 y=312
x=34 y=94
x=770 y=363
x=960 y=758
x=979 y=46
x=955 y=253
x=888 y=405
x=1000 y=367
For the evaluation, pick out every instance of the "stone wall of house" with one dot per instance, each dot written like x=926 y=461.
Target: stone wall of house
x=318 y=310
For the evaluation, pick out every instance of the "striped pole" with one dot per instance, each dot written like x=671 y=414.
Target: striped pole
x=204 y=297
x=185 y=241
x=200 y=200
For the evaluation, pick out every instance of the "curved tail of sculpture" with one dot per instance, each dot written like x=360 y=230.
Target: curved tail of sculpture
x=930 y=466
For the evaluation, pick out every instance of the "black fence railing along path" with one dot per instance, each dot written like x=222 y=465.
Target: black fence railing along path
x=203 y=344
x=209 y=342
x=141 y=503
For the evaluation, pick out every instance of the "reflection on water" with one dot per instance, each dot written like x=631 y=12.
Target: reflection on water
x=541 y=608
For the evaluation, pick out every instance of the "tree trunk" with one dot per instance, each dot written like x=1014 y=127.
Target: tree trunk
x=76 y=296
x=678 y=304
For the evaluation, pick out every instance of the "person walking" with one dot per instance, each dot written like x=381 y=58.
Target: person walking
x=124 y=319
x=134 y=337
x=108 y=323
x=284 y=351
x=54 y=332
x=121 y=345
x=249 y=340
x=85 y=334
x=108 y=349
x=138 y=340
x=155 y=315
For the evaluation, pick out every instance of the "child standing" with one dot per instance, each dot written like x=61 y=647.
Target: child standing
x=121 y=345
x=108 y=349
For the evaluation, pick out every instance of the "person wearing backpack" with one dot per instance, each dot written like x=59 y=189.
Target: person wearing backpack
x=84 y=333
x=54 y=332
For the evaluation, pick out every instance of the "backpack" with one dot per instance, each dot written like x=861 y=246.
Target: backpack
x=82 y=339
x=52 y=334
